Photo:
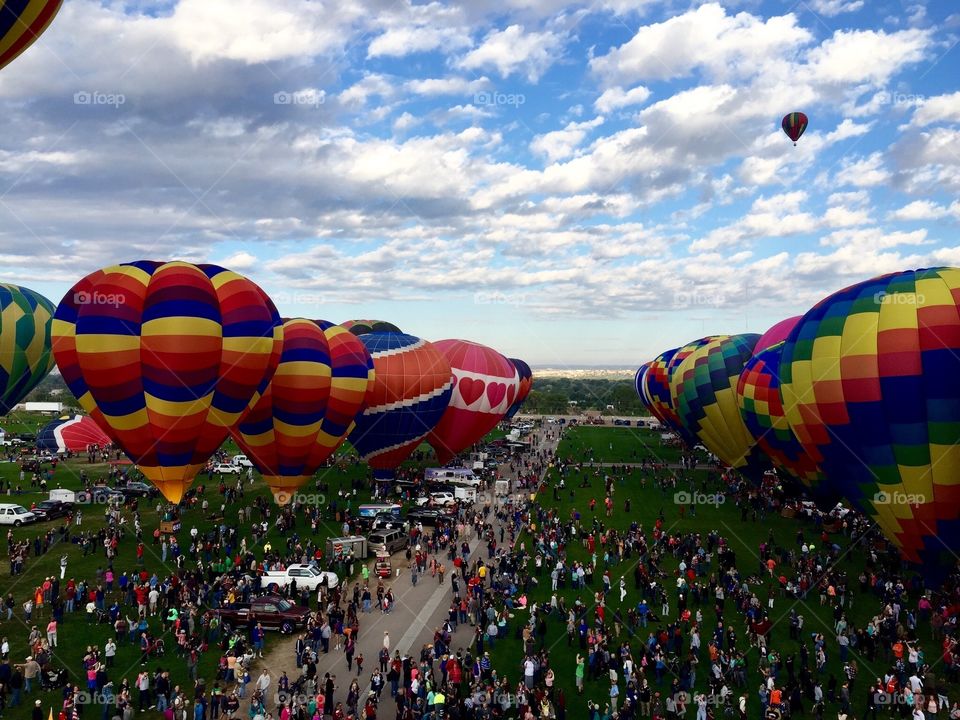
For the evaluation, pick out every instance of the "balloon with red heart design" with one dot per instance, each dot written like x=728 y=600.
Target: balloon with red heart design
x=486 y=385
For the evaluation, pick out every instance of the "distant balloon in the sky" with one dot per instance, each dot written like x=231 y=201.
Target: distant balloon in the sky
x=526 y=384
x=25 y=358
x=167 y=357
x=363 y=327
x=793 y=125
x=21 y=23
x=486 y=386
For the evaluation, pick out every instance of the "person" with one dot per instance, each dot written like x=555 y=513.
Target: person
x=52 y=632
x=63 y=567
x=263 y=684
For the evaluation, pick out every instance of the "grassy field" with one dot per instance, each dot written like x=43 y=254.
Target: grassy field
x=647 y=503
x=74 y=633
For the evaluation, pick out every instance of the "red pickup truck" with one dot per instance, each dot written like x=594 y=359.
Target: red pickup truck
x=271 y=611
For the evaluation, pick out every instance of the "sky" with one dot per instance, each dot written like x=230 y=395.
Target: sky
x=572 y=183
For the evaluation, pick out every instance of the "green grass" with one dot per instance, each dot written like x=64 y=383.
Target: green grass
x=745 y=536
x=612 y=444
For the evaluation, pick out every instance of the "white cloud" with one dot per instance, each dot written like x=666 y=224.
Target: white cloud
x=513 y=50
x=724 y=45
x=240 y=261
x=866 y=172
x=561 y=144
x=832 y=8
x=925 y=210
x=941 y=108
x=616 y=97
x=860 y=56
x=447 y=86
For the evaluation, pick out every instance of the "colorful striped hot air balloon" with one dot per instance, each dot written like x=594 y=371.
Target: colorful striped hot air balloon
x=704 y=392
x=411 y=390
x=486 y=385
x=364 y=327
x=167 y=358
x=309 y=406
x=639 y=379
x=793 y=125
x=25 y=358
x=871 y=388
x=21 y=23
x=524 y=388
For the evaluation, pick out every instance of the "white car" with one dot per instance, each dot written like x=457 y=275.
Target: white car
x=242 y=461
x=227 y=469
x=15 y=515
x=438 y=498
x=307 y=576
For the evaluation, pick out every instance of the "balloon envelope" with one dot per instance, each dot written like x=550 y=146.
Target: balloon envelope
x=486 y=386
x=410 y=392
x=21 y=23
x=793 y=125
x=75 y=434
x=26 y=318
x=305 y=412
x=363 y=327
x=167 y=358
x=777 y=334
x=703 y=388
x=523 y=389
x=871 y=388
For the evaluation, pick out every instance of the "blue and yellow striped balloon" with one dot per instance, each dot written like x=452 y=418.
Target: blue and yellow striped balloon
x=21 y=23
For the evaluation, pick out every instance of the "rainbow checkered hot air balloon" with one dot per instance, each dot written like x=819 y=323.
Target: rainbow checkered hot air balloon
x=167 y=357
x=309 y=406
x=703 y=391
x=871 y=388
x=410 y=392
x=523 y=389
x=485 y=386
x=21 y=23
x=25 y=358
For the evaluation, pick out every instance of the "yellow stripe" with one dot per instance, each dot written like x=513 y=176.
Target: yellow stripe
x=175 y=409
x=133 y=421
x=182 y=325
x=303 y=368
x=105 y=344
x=22 y=25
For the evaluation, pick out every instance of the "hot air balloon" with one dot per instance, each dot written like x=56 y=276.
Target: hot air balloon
x=793 y=125
x=777 y=333
x=761 y=407
x=25 y=357
x=486 y=385
x=871 y=388
x=657 y=387
x=74 y=434
x=21 y=23
x=305 y=412
x=638 y=384
x=167 y=358
x=703 y=390
x=523 y=390
x=411 y=390
x=363 y=327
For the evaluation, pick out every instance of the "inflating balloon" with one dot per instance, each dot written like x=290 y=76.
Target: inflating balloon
x=871 y=388
x=25 y=358
x=304 y=414
x=523 y=390
x=777 y=333
x=486 y=385
x=410 y=392
x=21 y=23
x=638 y=384
x=703 y=389
x=71 y=434
x=793 y=125
x=167 y=358
x=363 y=327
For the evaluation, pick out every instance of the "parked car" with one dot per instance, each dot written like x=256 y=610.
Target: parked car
x=104 y=494
x=139 y=489
x=241 y=461
x=227 y=469
x=271 y=611
x=15 y=515
x=436 y=498
x=50 y=509
x=429 y=517
x=393 y=540
x=387 y=521
x=307 y=576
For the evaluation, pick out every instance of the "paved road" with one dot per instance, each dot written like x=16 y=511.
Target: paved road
x=418 y=611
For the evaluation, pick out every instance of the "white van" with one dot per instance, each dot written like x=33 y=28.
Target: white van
x=242 y=461
x=15 y=515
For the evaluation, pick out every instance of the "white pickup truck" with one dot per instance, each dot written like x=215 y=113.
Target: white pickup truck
x=307 y=576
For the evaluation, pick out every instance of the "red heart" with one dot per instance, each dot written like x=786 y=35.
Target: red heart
x=495 y=393
x=511 y=392
x=470 y=389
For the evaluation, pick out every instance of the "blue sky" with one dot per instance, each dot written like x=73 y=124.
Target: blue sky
x=571 y=183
